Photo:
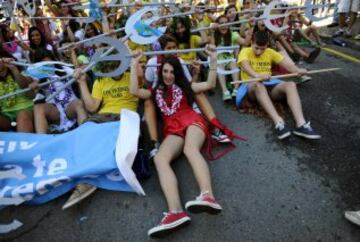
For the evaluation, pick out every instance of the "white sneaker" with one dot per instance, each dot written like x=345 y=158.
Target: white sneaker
x=169 y=223
x=204 y=203
x=234 y=93
x=353 y=216
x=303 y=79
x=81 y=191
x=220 y=136
x=226 y=96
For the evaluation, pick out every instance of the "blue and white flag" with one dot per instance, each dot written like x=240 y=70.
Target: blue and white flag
x=37 y=168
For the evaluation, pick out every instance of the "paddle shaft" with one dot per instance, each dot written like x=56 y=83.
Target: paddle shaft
x=29 y=89
x=86 y=69
x=169 y=52
x=284 y=76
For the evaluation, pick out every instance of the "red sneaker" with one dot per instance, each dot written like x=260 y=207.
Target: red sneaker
x=203 y=203
x=169 y=223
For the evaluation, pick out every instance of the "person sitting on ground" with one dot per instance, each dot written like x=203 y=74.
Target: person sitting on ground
x=276 y=45
x=11 y=44
x=181 y=30
x=108 y=97
x=295 y=52
x=223 y=36
x=256 y=62
x=61 y=113
x=16 y=108
x=168 y=42
x=184 y=131
x=296 y=21
x=37 y=41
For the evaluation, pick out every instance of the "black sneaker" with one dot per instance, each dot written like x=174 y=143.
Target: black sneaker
x=313 y=55
x=306 y=131
x=282 y=130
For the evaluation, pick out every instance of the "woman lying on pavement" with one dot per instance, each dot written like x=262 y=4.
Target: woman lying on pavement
x=185 y=131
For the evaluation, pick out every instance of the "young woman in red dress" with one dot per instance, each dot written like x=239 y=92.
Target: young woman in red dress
x=185 y=131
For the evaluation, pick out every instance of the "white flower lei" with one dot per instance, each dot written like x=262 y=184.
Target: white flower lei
x=177 y=95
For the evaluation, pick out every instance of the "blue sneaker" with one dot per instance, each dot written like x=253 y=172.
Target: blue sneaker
x=282 y=130
x=306 y=131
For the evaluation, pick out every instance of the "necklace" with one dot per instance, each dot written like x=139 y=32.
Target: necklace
x=177 y=95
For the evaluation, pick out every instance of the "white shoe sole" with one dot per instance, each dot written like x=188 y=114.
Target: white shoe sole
x=165 y=229
x=69 y=204
x=284 y=136
x=203 y=206
x=225 y=140
x=307 y=136
x=353 y=217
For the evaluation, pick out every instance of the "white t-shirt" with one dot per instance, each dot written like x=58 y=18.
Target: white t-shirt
x=151 y=73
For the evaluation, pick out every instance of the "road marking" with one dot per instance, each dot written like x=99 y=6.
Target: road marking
x=343 y=55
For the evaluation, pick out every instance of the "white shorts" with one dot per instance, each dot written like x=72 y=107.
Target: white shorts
x=346 y=6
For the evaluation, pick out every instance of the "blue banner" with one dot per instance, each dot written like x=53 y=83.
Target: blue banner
x=38 y=168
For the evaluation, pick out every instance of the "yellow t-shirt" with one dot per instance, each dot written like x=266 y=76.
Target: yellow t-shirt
x=260 y=64
x=114 y=94
x=195 y=42
x=134 y=46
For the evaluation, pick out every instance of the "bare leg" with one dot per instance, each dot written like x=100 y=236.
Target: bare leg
x=170 y=148
x=342 y=20
x=25 y=122
x=194 y=140
x=286 y=56
x=353 y=16
x=286 y=44
x=222 y=80
x=312 y=30
x=235 y=76
x=289 y=90
x=76 y=110
x=44 y=114
x=300 y=51
x=258 y=92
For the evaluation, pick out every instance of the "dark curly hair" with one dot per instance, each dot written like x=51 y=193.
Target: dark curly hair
x=220 y=37
x=180 y=79
x=42 y=42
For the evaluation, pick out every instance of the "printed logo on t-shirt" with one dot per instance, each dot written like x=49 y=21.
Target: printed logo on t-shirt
x=116 y=92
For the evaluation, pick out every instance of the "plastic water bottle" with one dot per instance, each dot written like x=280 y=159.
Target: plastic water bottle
x=339 y=42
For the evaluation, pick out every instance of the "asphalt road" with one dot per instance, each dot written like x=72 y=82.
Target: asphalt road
x=270 y=190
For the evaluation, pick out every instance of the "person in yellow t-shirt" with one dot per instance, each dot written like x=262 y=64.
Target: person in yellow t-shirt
x=256 y=62
x=181 y=31
x=114 y=94
x=109 y=96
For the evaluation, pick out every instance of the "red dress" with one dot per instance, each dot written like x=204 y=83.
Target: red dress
x=177 y=114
